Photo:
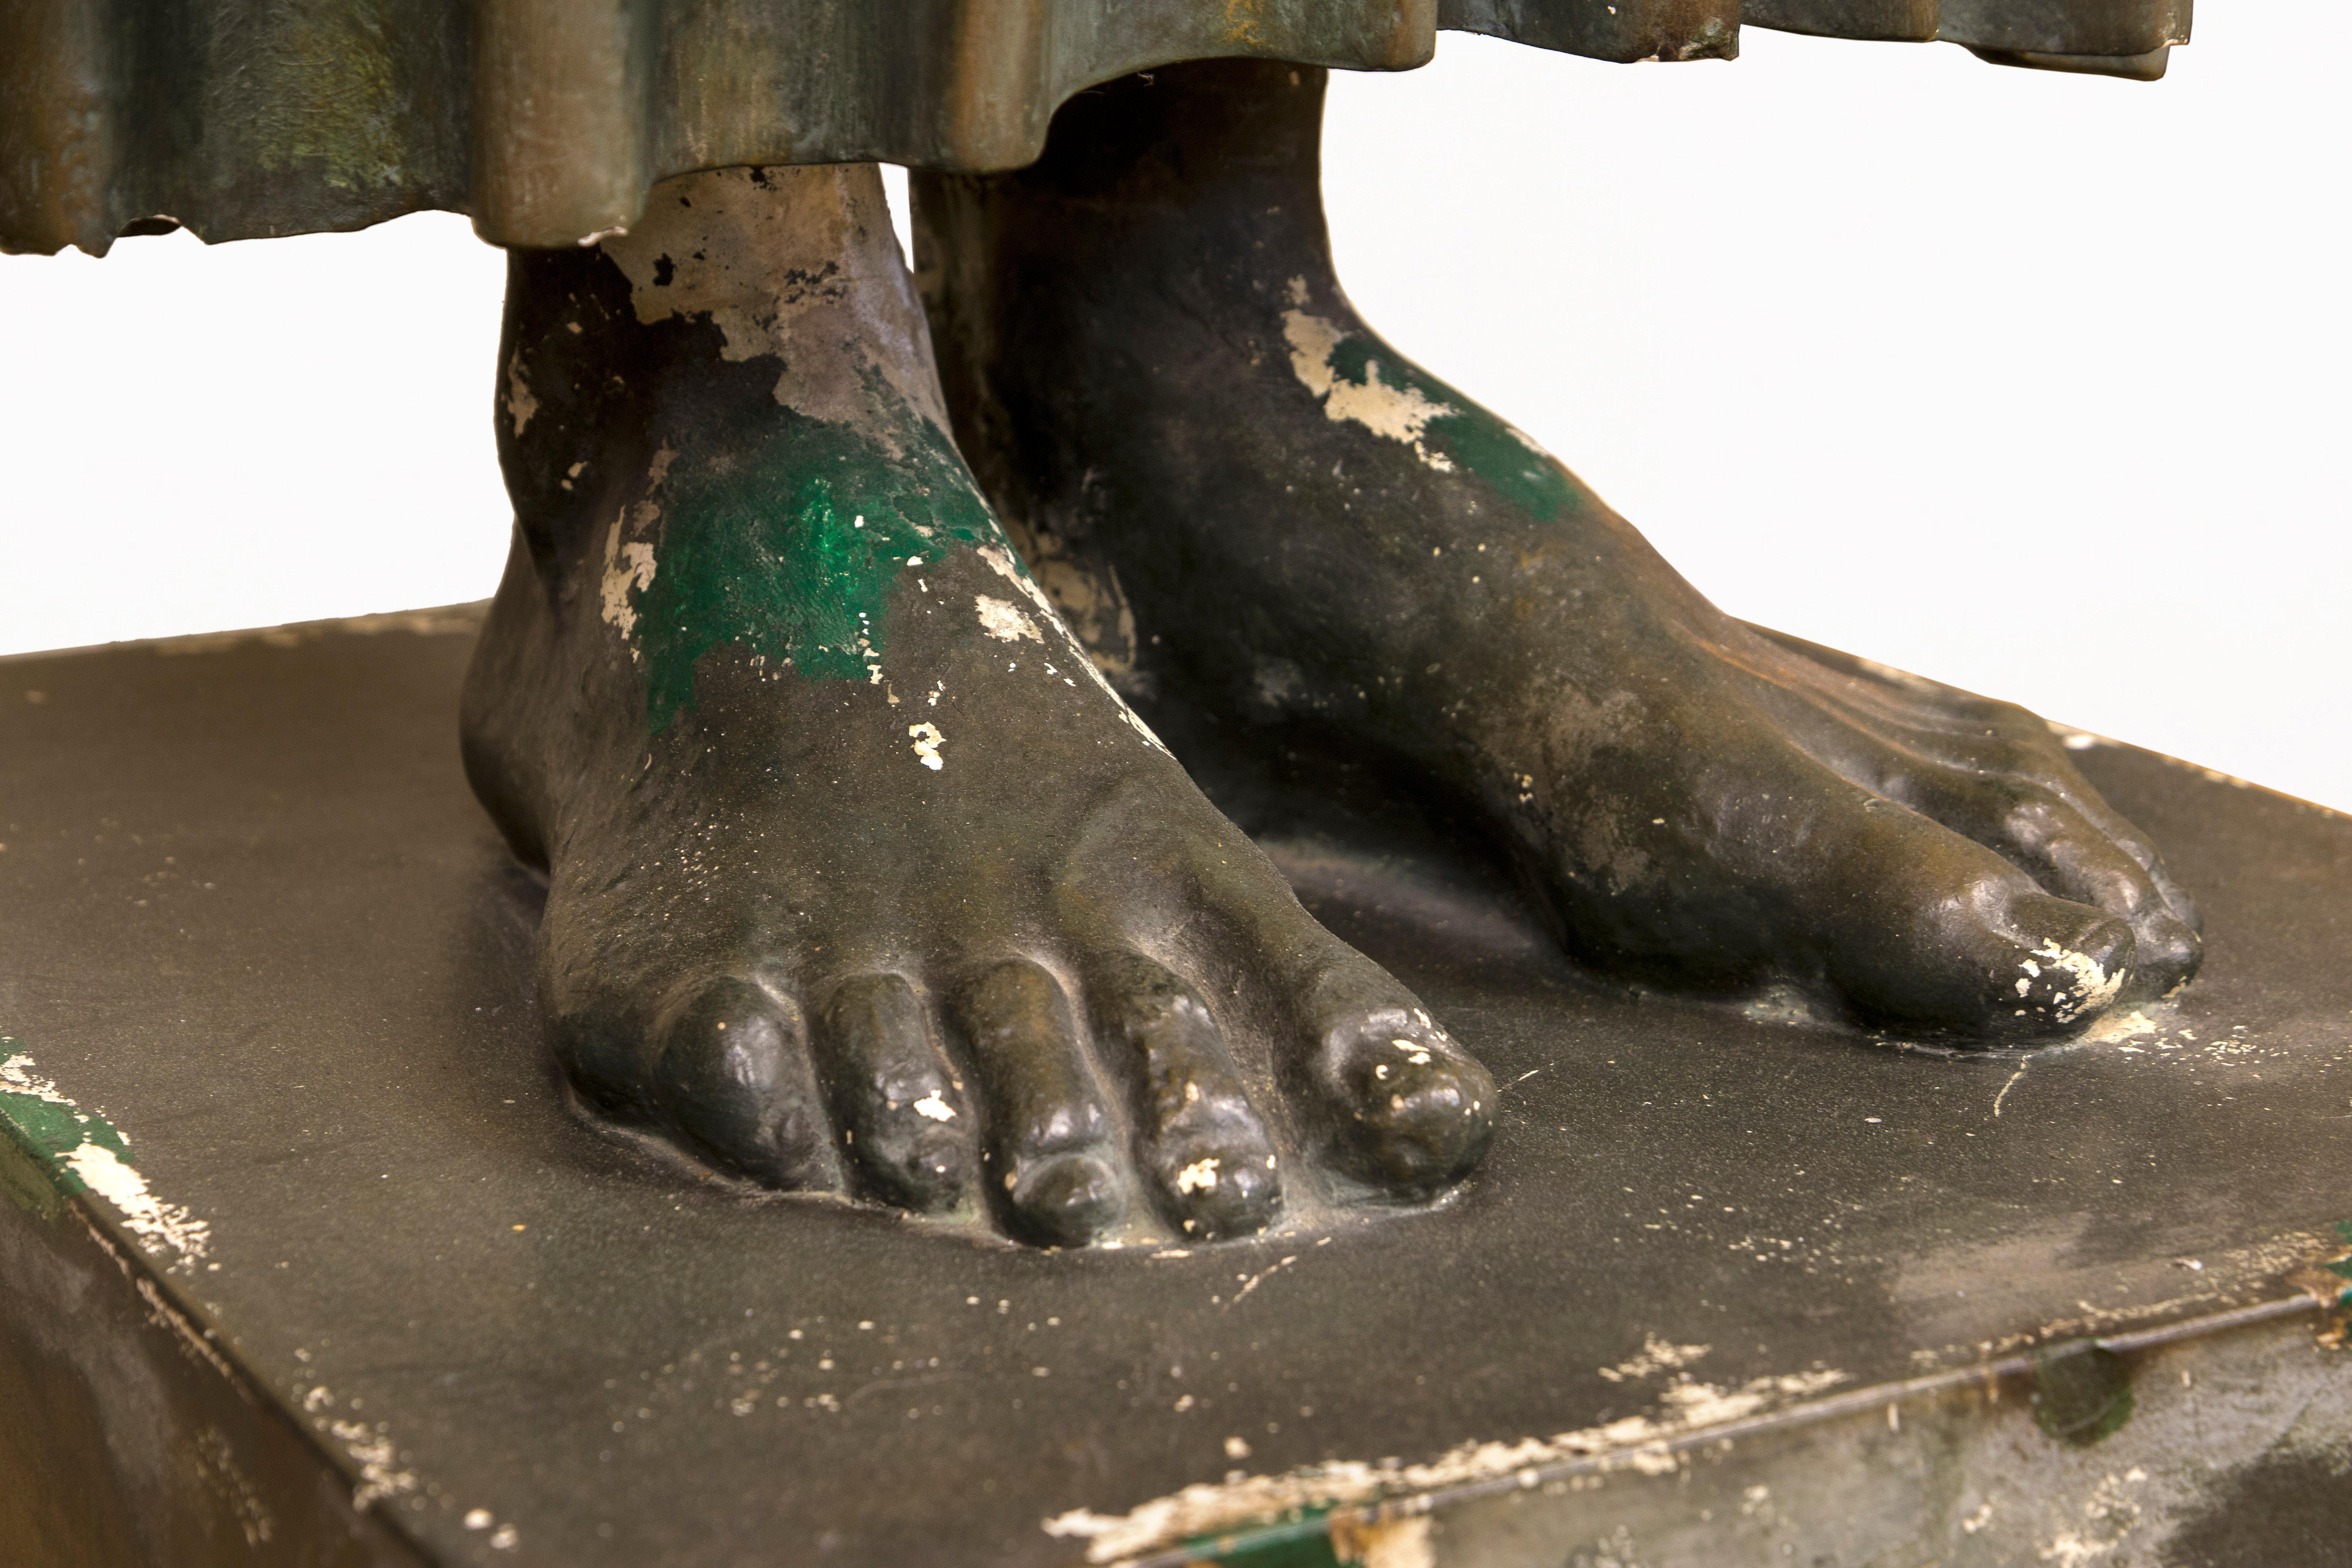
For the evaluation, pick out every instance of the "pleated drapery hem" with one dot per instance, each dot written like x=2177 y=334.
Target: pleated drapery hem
x=548 y=120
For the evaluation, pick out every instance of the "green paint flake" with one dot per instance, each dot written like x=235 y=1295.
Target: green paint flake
x=2342 y=1267
x=791 y=551
x=43 y=1129
x=1301 y=1540
x=1466 y=434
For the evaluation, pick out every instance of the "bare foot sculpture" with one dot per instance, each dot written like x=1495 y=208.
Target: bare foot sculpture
x=1252 y=502
x=861 y=879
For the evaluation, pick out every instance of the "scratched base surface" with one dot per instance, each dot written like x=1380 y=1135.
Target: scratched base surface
x=264 y=974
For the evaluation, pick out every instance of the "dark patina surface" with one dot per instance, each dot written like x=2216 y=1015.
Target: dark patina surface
x=252 y=919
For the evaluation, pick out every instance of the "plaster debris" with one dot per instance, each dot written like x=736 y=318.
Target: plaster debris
x=1199 y=1176
x=1636 y=1442
x=928 y=740
x=1384 y=1543
x=934 y=1106
x=373 y=1452
x=1657 y=1355
x=2116 y=1026
x=1399 y=412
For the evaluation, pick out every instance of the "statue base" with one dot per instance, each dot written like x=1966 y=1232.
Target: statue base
x=309 y=1259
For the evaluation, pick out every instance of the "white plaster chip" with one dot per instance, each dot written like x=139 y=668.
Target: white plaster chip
x=627 y=568
x=1005 y=621
x=1399 y=412
x=152 y=1220
x=1001 y=562
x=928 y=740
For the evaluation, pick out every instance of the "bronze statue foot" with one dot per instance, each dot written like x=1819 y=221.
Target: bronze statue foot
x=860 y=879
x=1250 y=501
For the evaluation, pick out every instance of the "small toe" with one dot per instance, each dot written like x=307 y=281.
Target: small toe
x=1403 y=1108
x=1407 y=1135
x=905 y=1126
x=1050 y=1137
x=1212 y=1166
x=734 y=1078
x=1063 y=1200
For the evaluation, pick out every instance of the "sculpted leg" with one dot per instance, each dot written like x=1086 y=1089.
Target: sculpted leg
x=1249 y=501
x=860 y=879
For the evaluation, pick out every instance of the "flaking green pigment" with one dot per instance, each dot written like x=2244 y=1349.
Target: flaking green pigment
x=792 y=551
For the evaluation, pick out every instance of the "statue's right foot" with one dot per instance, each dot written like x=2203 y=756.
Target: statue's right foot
x=860 y=879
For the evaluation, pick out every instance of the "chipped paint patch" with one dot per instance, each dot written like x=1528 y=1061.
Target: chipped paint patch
x=1401 y=413
x=628 y=568
x=161 y=1227
x=1000 y=620
x=1636 y=1442
x=81 y=1152
x=2089 y=988
x=521 y=403
x=928 y=740
x=1004 y=565
x=1384 y=1543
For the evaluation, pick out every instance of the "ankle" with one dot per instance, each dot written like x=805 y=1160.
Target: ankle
x=742 y=294
x=1151 y=174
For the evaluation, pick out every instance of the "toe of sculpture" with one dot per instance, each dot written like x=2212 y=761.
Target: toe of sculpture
x=1999 y=970
x=1411 y=1112
x=1063 y=1200
x=2169 y=951
x=733 y=1078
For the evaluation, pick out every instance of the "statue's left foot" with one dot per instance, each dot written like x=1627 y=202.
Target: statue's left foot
x=1253 y=501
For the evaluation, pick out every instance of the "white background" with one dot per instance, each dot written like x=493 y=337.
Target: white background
x=2034 y=384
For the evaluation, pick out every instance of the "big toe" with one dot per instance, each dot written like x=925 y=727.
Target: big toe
x=733 y=1077
x=1997 y=967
